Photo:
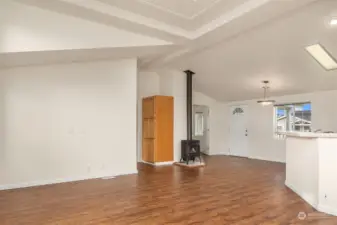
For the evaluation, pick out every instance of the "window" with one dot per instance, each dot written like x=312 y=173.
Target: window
x=238 y=111
x=293 y=117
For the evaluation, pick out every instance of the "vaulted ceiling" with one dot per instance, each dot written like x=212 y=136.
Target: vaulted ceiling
x=231 y=44
x=187 y=14
x=172 y=20
x=234 y=68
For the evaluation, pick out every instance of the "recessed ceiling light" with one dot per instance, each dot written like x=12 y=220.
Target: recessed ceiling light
x=322 y=56
x=333 y=22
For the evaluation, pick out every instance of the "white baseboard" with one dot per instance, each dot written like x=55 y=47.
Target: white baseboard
x=163 y=163
x=319 y=207
x=309 y=200
x=249 y=157
x=264 y=159
x=58 y=181
x=159 y=163
x=218 y=153
x=327 y=209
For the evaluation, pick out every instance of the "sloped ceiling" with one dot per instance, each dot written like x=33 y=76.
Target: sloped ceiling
x=28 y=58
x=187 y=14
x=233 y=69
x=26 y=29
x=231 y=44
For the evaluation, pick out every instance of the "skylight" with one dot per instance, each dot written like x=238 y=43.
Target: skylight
x=322 y=56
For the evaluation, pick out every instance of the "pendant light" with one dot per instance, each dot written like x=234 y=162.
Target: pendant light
x=266 y=101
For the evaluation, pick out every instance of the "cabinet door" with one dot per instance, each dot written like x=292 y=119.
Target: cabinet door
x=148 y=150
x=164 y=128
x=149 y=128
x=148 y=107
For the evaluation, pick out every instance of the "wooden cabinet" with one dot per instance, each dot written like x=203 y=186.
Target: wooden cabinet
x=157 y=129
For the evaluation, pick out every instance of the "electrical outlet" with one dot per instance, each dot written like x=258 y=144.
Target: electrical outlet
x=88 y=168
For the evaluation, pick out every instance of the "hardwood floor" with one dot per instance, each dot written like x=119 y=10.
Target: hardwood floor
x=227 y=191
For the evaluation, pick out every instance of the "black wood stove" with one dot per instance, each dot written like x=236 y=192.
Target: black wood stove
x=190 y=149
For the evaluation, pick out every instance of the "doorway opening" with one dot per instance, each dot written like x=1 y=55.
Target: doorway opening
x=200 y=126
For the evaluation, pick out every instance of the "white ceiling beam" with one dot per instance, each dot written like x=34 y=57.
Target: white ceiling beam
x=237 y=27
x=131 y=17
x=70 y=9
x=229 y=25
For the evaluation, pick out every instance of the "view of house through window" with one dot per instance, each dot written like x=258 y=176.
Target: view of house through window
x=293 y=117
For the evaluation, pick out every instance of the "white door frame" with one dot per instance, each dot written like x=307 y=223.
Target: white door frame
x=242 y=141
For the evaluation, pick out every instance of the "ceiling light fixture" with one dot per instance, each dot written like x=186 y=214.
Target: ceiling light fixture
x=322 y=56
x=266 y=101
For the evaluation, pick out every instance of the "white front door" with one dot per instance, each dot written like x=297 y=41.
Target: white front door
x=201 y=126
x=238 y=131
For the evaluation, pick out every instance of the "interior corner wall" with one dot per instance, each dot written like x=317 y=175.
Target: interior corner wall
x=148 y=85
x=67 y=122
x=180 y=117
x=173 y=83
x=169 y=83
x=261 y=141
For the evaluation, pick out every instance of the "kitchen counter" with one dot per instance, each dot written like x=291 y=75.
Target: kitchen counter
x=311 y=165
x=309 y=134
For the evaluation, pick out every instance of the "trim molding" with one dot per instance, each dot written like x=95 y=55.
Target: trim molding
x=319 y=207
x=308 y=200
x=181 y=15
x=327 y=209
x=264 y=159
x=249 y=157
x=159 y=163
x=218 y=153
x=59 y=181
x=164 y=163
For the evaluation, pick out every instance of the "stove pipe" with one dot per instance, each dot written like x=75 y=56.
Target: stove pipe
x=189 y=103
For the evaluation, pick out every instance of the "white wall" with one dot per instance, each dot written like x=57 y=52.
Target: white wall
x=67 y=122
x=169 y=83
x=178 y=86
x=311 y=168
x=217 y=122
x=173 y=83
x=24 y=28
x=261 y=141
x=327 y=175
x=302 y=168
x=148 y=85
